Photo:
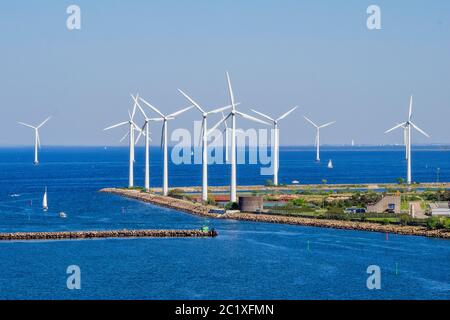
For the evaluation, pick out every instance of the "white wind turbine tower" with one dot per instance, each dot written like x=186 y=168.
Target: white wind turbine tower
x=37 y=140
x=232 y=115
x=407 y=131
x=276 y=150
x=318 y=135
x=146 y=133
x=132 y=126
x=165 y=119
x=204 y=136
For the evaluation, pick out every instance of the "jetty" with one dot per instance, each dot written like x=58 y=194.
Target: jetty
x=22 y=236
x=202 y=210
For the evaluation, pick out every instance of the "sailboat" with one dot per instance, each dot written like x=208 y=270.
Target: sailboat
x=330 y=164
x=44 y=201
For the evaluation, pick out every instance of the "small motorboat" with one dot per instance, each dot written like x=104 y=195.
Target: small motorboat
x=295 y=182
x=62 y=215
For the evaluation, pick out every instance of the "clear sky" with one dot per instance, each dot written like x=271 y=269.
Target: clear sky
x=315 y=54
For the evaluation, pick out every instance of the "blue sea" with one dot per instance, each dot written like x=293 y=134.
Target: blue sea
x=246 y=261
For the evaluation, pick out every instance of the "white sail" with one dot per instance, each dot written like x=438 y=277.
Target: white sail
x=44 y=200
x=330 y=164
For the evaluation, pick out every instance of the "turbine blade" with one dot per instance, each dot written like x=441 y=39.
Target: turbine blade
x=173 y=115
x=396 y=127
x=327 y=124
x=263 y=115
x=225 y=123
x=249 y=117
x=201 y=134
x=220 y=109
x=192 y=101
x=163 y=133
x=151 y=107
x=125 y=136
x=287 y=113
x=44 y=122
x=38 y=139
x=218 y=124
x=134 y=108
x=420 y=130
x=116 y=125
x=27 y=125
x=230 y=90
x=310 y=121
x=410 y=108
x=139 y=106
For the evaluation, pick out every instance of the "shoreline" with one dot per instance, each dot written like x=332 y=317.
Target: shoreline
x=203 y=211
x=296 y=187
x=104 y=234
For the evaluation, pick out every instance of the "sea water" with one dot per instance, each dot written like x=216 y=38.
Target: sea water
x=247 y=260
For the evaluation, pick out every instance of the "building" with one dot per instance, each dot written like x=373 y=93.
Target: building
x=251 y=203
x=386 y=204
x=440 y=209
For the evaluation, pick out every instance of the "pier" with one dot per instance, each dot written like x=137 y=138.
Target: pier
x=22 y=236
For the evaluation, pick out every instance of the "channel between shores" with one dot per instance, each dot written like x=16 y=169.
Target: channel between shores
x=67 y=235
x=208 y=211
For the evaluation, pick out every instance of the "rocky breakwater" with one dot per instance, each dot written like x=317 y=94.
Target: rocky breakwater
x=167 y=202
x=339 y=224
x=22 y=236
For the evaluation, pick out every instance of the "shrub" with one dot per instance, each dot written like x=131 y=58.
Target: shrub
x=299 y=202
x=405 y=219
x=434 y=223
x=269 y=183
x=232 y=206
x=211 y=201
x=446 y=223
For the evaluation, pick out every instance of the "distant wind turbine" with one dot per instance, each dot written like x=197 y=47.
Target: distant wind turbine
x=165 y=119
x=132 y=126
x=37 y=140
x=407 y=137
x=276 y=140
x=318 y=135
x=204 y=135
x=232 y=115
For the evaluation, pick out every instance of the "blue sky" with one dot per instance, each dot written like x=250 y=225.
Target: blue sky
x=315 y=54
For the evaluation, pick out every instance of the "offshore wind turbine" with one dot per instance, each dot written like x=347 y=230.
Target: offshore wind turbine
x=204 y=136
x=132 y=126
x=317 y=143
x=165 y=119
x=232 y=115
x=407 y=135
x=276 y=155
x=37 y=140
x=146 y=133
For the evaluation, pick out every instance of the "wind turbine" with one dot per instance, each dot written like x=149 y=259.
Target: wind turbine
x=318 y=135
x=165 y=119
x=146 y=133
x=37 y=140
x=232 y=115
x=204 y=135
x=276 y=140
x=132 y=126
x=407 y=131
